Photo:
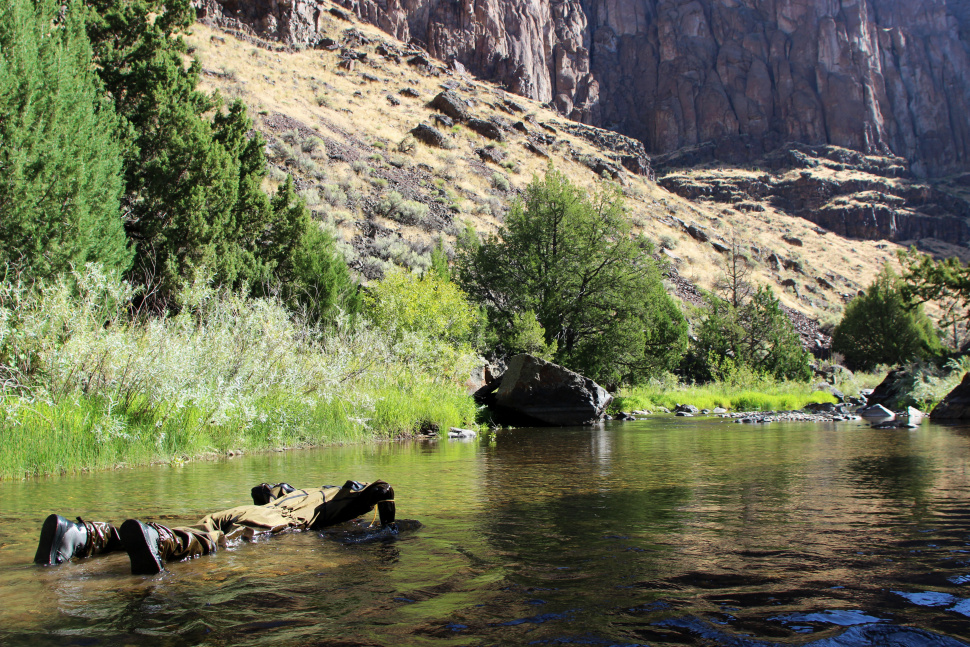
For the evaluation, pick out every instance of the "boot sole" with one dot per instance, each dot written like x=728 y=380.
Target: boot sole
x=144 y=560
x=50 y=536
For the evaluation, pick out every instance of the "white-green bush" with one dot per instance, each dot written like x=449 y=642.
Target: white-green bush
x=223 y=354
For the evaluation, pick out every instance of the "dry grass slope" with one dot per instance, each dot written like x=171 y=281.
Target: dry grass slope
x=341 y=128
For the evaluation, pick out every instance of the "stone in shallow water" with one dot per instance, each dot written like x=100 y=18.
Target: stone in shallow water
x=840 y=617
x=928 y=598
x=877 y=411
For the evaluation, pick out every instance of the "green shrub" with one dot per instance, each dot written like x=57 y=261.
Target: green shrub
x=528 y=336
x=569 y=257
x=880 y=327
x=500 y=182
x=87 y=384
x=404 y=302
x=395 y=207
x=755 y=338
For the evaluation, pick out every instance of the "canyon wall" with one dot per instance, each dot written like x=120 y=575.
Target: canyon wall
x=882 y=76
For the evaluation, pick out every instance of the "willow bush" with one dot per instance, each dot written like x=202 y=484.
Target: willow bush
x=85 y=382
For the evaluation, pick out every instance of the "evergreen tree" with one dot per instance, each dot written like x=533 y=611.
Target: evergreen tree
x=756 y=335
x=193 y=194
x=880 y=327
x=59 y=159
x=311 y=272
x=595 y=289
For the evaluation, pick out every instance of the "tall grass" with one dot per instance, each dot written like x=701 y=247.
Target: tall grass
x=767 y=396
x=87 y=384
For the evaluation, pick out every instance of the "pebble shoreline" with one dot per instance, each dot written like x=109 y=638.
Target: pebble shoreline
x=841 y=413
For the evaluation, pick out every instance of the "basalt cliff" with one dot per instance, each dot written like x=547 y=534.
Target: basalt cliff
x=741 y=76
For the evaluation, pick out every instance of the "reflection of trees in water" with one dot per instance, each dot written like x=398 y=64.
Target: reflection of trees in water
x=559 y=498
x=898 y=477
x=892 y=466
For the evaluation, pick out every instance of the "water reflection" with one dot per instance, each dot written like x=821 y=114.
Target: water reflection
x=660 y=532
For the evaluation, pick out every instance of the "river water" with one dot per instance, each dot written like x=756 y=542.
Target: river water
x=659 y=532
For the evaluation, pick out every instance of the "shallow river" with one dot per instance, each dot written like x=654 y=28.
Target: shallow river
x=660 y=532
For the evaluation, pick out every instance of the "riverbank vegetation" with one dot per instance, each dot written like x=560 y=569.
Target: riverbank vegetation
x=89 y=383
x=158 y=302
x=778 y=396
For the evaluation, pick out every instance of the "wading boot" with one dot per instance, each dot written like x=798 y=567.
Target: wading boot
x=60 y=539
x=385 y=509
x=150 y=545
x=142 y=541
x=265 y=493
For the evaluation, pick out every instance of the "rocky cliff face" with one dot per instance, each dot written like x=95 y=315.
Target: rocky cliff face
x=872 y=75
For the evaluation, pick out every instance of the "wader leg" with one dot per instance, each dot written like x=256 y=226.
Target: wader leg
x=60 y=539
x=150 y=545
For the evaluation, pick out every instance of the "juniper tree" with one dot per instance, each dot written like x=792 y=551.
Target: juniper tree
x=60 y=167
x=881 y=327
x=307 y=267
x=756 y=335
x=571 y=258
x=192 y=195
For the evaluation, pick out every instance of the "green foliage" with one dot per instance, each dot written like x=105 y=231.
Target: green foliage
x=500 y=182
x=570 y=258
x=84 y=383
x=527 y=336
x=404 y=302
x=946 y=283
x=60 y=166
x=879 y=327
x=755 y=338
x=439 y=261
x=767 y=396
x=320 y=285
x=922 y=384
x=192 y=198
x=395 y=207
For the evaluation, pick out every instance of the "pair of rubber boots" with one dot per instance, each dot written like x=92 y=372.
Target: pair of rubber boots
x=146 y=543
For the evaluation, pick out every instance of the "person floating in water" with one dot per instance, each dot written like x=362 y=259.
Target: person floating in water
x=276 y=508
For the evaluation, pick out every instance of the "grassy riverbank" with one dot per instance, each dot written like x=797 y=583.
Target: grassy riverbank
x=783 y=396
x=88 y=384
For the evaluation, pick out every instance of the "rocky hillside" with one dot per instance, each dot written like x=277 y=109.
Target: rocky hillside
x=876 y=76
x=395 y=150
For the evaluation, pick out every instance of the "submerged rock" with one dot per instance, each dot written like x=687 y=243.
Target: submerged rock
x=876 y=411
x=535 y=392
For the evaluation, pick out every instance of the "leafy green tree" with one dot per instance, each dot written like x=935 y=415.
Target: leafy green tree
x=527 y=336
x=596 y=291
x=311 y=273
x=880 y=327
x=60 y=166
x=404 y=302
x=756 y=335
x=945 y=282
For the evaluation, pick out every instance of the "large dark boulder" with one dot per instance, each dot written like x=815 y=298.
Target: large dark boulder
x=956 y=405
x=430 y=136
x=452 y=105
x=536 y=392
x=486 y=129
